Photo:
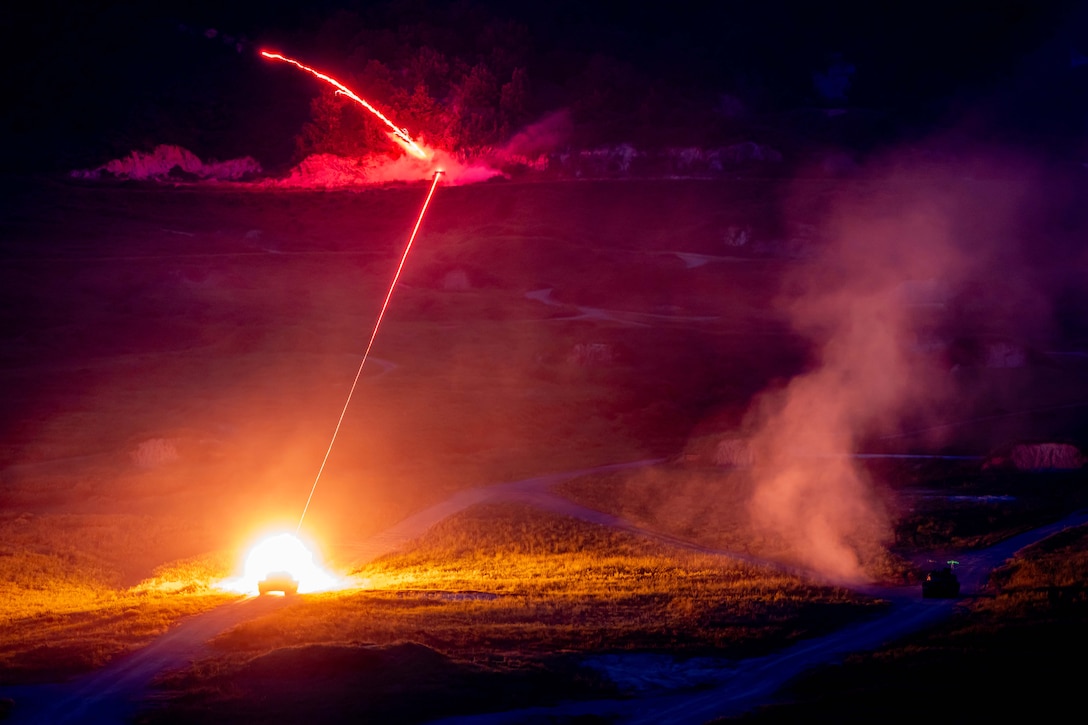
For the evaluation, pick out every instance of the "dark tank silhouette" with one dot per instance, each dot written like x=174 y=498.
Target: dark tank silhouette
x=941 y=583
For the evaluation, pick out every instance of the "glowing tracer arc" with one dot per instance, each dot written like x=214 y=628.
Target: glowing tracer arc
x=404 y=139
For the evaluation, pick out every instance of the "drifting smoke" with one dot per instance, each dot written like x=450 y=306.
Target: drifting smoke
x=542 y=137
x=868 y=375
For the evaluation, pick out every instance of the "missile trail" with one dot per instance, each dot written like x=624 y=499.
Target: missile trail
x=369 y=345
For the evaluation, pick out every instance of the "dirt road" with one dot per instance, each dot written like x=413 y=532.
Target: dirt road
x=742 y=685
x=114 y=694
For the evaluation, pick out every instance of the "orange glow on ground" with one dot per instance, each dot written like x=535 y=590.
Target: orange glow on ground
x=399 y=134
x=284 y=552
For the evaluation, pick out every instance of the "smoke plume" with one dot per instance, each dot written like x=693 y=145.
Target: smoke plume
x=867 y=374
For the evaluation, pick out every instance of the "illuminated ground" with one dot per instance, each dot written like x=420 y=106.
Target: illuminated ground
x=173 y=362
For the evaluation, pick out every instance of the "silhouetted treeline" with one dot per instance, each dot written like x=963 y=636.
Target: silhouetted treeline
x=91 y=81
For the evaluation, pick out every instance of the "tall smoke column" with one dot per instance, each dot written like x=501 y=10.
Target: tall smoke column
x=810 y=494
x=370 y=344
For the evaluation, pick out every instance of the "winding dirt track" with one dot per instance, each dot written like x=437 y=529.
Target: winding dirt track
x=115 y=693
x=742 y=685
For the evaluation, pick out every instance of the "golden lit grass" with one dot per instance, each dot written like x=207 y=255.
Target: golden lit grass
x=706 y=505
x=491 y=609
x=508 y=581
x=63 y=606
x=82 y=627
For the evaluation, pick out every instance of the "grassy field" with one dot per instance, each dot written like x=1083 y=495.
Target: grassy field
x=173 y=363
x=63 y=610
x=1004 y=655
x=180 y=356
x=502 y=598
x=555 y=584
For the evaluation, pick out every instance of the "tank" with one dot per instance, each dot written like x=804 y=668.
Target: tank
x=278 y=581
x=941 y=583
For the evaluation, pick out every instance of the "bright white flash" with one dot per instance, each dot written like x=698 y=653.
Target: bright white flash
x=283 y=552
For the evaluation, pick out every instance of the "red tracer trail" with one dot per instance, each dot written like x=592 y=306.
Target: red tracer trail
x=374 y=334
x=408 y=143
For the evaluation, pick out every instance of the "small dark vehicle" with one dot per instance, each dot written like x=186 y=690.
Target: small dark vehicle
x=940 y=584
x=278 y=581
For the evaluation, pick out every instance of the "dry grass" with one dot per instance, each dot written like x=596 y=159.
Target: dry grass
x=707 y=505
x=506 y=579
x=977 y=508
x=68 y=626
x=246 y=354
x=64 y=608
x=1002 y=657
x=1043 y=584
x=945 y=507
x=491 y=609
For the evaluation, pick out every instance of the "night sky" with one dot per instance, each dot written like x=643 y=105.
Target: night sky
x=87 y=82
